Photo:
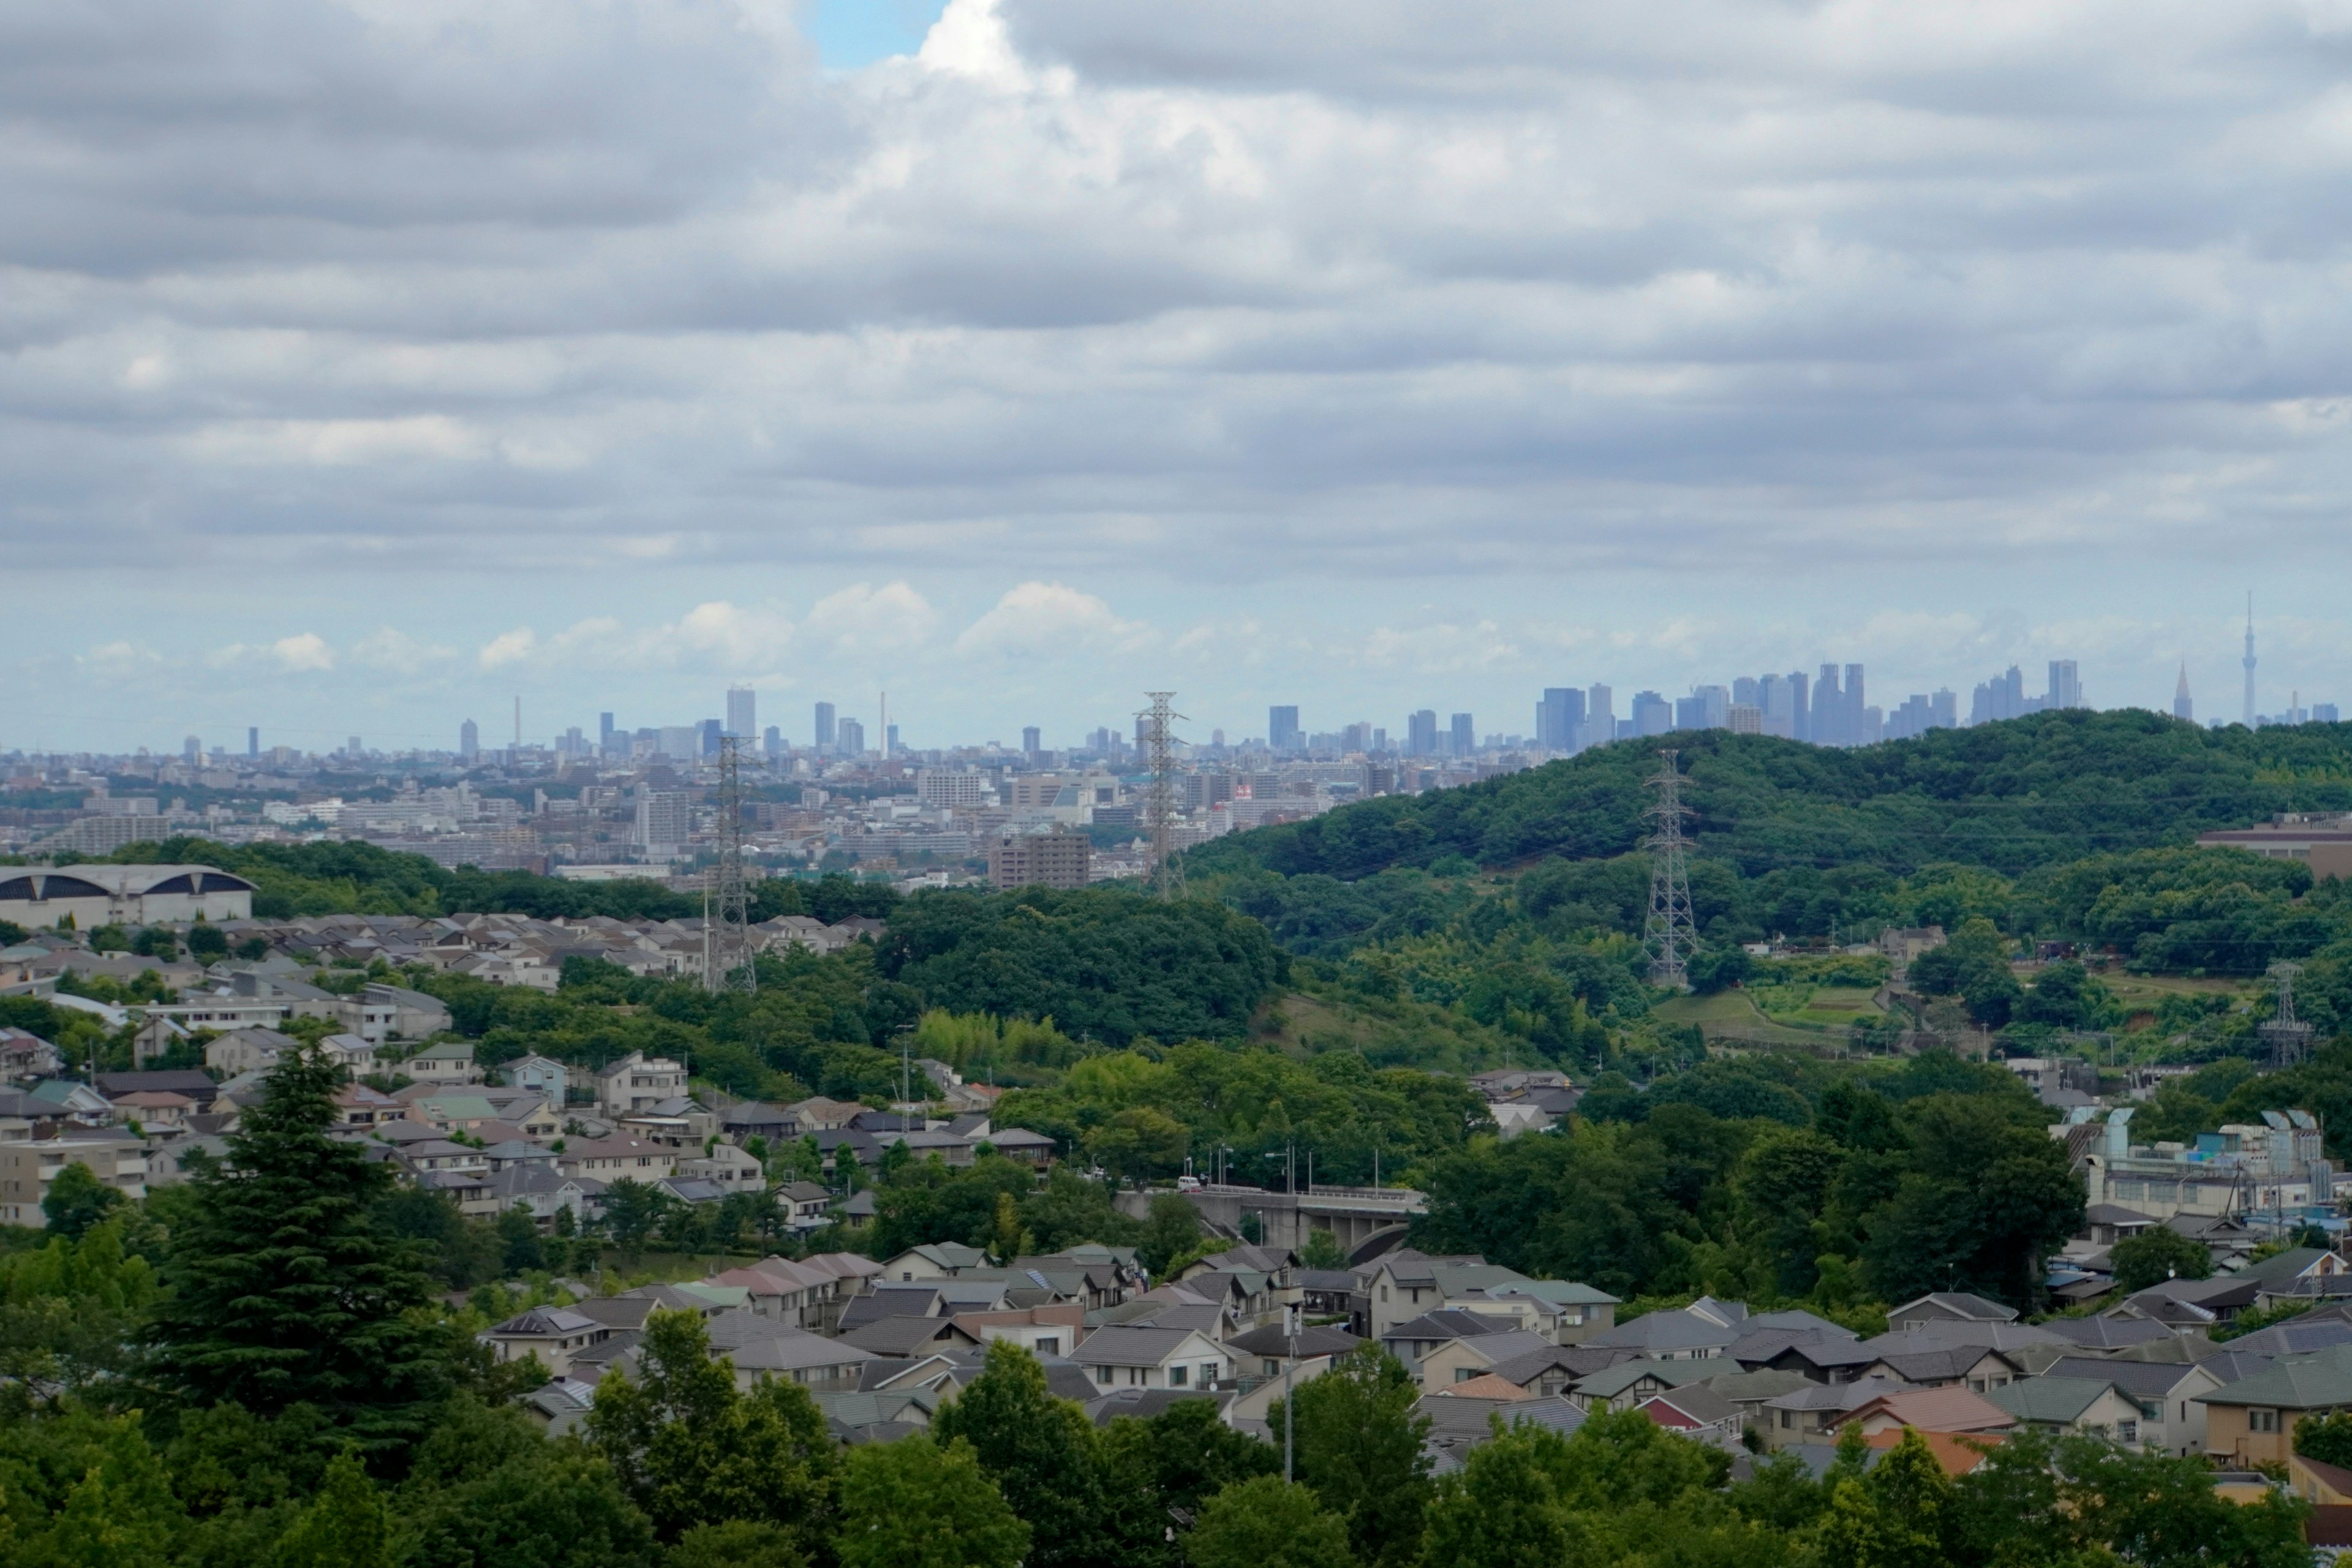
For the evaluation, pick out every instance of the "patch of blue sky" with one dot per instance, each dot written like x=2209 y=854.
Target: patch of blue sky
x=852 y=33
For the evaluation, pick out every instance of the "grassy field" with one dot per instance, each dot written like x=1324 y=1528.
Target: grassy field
x=1731 y=1014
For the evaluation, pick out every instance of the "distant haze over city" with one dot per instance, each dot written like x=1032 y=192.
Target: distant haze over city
x=1017 y=357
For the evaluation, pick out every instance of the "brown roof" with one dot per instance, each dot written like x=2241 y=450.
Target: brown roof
x=1951 y=1408
x=1958 y=1455
x=2329 y=1524
x=1486 y=1386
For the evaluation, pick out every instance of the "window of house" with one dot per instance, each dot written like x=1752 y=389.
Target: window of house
x=2262 y=1420
x=1049 y=1345
x=1788 y=1419
x=1384 y=1293
x=2127 y=1431
x=1176 y=1378
x=1102 y=1374
x=1463 y=1375
x=1208 y=1374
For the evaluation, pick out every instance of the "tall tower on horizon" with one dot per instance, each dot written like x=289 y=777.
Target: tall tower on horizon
x=2249 y=661
x=2182 y=707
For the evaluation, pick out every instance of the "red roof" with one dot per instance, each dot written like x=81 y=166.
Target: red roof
x=1957 y=1454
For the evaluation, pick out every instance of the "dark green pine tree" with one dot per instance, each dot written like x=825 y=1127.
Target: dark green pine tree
x=284 y=1289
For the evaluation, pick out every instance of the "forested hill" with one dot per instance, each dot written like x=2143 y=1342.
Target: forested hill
x=2010 y=797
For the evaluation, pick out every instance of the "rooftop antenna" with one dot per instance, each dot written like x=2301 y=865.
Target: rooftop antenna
x=726 y=899
x=1670 y=934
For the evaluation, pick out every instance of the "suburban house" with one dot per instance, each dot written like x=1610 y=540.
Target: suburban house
x=1695 y=1411
x=1153 y=1358
x=616 y=1159
x=638 y=1082
x=2253 y=1421
x=2086 y=1407
x=551 y=1334
x=542 y=1076
x=1947 y=1307
x=935 y=1260
x=451 y=1062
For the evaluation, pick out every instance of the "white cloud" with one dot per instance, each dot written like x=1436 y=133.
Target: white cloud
x=303 y=652
x=1049 y=620
x=509 y=648
x=387 y=647
x=862 y=619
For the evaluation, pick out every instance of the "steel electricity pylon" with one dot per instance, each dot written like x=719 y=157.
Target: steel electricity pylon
x=1669 y=935
x=1159 y=721
x=726 y=897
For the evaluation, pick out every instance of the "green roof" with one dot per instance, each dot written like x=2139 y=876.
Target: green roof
x=2300 y=1384
x=2054 y=1400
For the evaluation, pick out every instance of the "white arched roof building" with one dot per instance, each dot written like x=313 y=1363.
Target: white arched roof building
x=98 y=895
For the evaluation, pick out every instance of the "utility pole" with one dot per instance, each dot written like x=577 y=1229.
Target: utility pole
x=726 y=899
x=1168 y=872
x=1670 y=934
x=1290 y=1418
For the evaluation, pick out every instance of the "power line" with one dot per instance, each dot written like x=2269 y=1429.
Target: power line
x=1670 y=934
x=1168 y=871
x=726 y=900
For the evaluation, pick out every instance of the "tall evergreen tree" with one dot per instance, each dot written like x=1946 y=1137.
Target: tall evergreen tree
x=285 y=1289
x=1041 y=1451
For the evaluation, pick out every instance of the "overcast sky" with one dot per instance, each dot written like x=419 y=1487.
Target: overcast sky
x=369 y=364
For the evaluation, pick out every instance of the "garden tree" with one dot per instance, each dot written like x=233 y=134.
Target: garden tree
x=1158 y=1473
x=2158 y=1511
x=1782 y=1184
x=78 y=1199
x=1170 y=1229
x=70 y=1312
x=519 y=1240
x=1006 y=1239
x=282 y=1286
x=689 y=1448
x=1719 y=966
x=207 y=944
x=1357 y=1447
x=922 y=1502
x=461 y=1252
x=1323 y=1250
x=1899 y=1515
x=2066 y=996
x=1041 y=1452
x=2327 y=1439
x=633 y=1210
x=1503 y=1507
x=1982 y=1198
x=117 y=1507
x=2156 y=1255
x=737 y=1543
x=345 y=1526
x=1267 y=1522
x=487 y=1490
x=1139 y=1142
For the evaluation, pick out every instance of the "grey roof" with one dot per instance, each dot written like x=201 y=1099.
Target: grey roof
x=1798 y=1321
x=1837 y=1396
x=2143 y=1380
x=903 y=1336
x=1698 y=1402
x=1962 y=1303
x=2107 y=1333
x=1270 y=1341
x=2276 y=1271
x=1131 y=1347
x=542 y=1321
x=2297 y=1336
x=1143 y=1403
x=1611 y=1380
x=1451 y=1323
x=1669 y=1331
x=2051 y=1399
x=796 y=1351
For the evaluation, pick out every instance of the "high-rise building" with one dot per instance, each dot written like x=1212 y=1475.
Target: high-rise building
x=1466 y=736
x=1744 y=719
x=1031 y=740
x=1652 y=714
x=192 y=751
x=1749 y=691
x=604 y=731
x=665 y=822
x=890 y=740
x=1800 y=706
x=1858 y=731
x=469 y=741
x=826 y=735
x=1829 y=710
x=707 y=734
x=1281 y=733
x=680 y=742
x=1775 y=710
x=351 y=748
x=851 y=736
x=1559 y=719
x=1714 y=705
x=2183 y=709
x=1600 y=717
x=1420 y=735
x=1055 y=859
x=742 y=712
x=2065 y=685
x=772 y=743
x=2249 y=661
x=253 y=741
x=2324 y=713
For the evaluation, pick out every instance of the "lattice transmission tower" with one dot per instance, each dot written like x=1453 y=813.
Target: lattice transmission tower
x=1670 y=935
x=1167 y=870
x=2288 y=1037
x=726 y=897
